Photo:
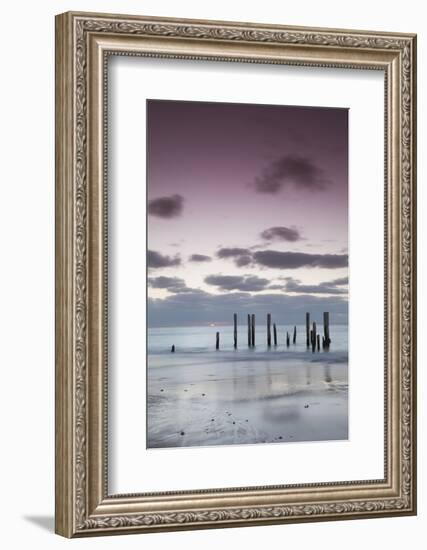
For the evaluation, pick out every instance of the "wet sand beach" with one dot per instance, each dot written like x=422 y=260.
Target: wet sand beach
x=246 y=397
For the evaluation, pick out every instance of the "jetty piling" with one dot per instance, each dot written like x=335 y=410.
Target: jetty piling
x=313 y=341
x=173 y=348
x=253 y=329
x=249 y=331
x=326 y=329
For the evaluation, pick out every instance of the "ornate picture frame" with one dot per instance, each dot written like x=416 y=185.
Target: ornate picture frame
x=84 y=506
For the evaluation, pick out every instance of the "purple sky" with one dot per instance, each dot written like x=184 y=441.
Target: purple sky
x=245 y=199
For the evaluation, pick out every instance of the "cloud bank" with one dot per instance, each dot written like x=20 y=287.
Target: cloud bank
x=201 y=308
x=247 y=283
x=282 y=260
x=295 y=260
x=294 y=285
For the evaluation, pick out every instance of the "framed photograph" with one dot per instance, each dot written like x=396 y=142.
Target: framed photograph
x=235 y=274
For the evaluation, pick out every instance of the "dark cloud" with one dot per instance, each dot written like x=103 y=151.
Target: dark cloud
x=243 y=260
x=294 y=260
x=199 y=307
x=156 y=260
x=200 y=258
x=340 y=282
x=294 y=285
x=246 y=283
x=232 y=252
x=172 y=284
x=290 y=234
x=293 y=170
x=282 y=260
x=241 y=256
x=166 y=207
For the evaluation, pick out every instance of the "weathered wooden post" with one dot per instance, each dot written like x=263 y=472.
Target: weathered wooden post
x=313 y=342
x=249 y=330
x=287 y=339
x=323 y=342
x=326 y=328
x=253 y=329
x=318 y=342
x=307 y=328
x=269 y=330
x=235 y=330
x=274 y=334
x=173 y=348
x=217 y=341
x=294 y=339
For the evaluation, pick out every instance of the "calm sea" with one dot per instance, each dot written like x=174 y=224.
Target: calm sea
x=202 y=339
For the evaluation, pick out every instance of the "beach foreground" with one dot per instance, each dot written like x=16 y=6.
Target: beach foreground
x=246 y=397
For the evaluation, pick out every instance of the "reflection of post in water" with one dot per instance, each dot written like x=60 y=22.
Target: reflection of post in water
x=308 y=375
x=327 y=373
x=236 y=380
x=251 y=382
x=269 y=378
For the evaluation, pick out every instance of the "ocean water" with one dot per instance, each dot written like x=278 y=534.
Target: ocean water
x=202 y=339
x=199 y=396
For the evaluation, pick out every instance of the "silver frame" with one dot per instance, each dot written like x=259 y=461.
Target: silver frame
x=83 y=43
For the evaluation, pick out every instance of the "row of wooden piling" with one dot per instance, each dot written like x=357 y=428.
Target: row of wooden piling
x=312 y=337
